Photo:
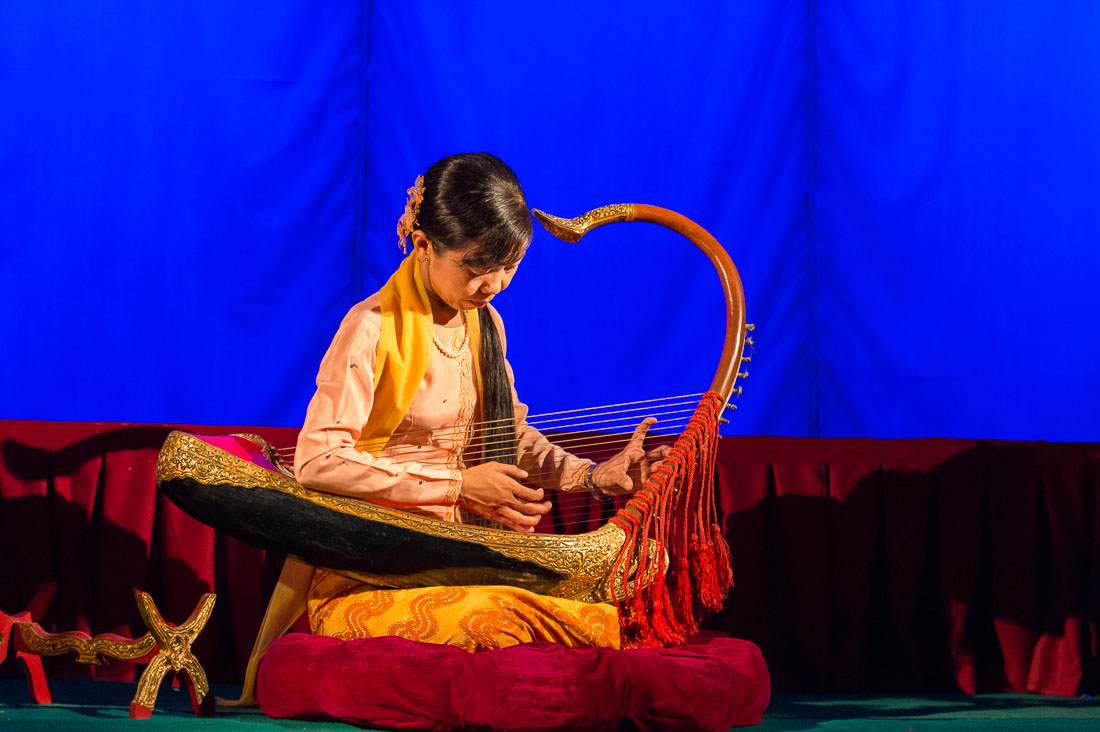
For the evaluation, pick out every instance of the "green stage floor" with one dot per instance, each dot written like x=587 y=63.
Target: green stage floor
x=88 y=706
x=932 y=713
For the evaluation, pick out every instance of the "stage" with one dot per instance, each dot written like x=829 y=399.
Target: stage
x=87 y=706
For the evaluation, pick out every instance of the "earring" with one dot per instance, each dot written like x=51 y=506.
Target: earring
x=423 y=259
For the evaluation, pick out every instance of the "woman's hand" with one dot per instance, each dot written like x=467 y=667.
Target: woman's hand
x=630 y=468
x=493 y=491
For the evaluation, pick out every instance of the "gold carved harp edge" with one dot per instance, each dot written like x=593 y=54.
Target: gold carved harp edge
x=586 y=560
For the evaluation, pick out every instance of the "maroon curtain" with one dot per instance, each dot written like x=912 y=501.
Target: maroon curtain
x=79 y=506
x=860 y=565
x=868 y=565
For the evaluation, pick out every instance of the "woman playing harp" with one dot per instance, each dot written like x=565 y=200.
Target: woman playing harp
x=410 y=376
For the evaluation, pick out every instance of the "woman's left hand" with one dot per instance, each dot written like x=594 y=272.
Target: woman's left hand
x=630 y=468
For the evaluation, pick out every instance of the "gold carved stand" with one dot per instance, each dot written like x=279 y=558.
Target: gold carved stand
x=165 y=648
x=32 y=664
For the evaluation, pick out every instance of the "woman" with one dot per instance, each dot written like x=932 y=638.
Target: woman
x=412 y=372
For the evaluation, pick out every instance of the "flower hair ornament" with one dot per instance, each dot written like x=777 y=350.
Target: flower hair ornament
x=407 y=223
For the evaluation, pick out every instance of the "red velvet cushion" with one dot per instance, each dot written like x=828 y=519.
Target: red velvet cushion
x=713 y=683
x=241 y=447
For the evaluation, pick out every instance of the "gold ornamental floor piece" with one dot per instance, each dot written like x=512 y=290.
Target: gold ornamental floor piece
x=164 y=648
x=32 y=664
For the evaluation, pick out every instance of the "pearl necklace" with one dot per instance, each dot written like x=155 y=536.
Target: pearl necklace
x=465 y=341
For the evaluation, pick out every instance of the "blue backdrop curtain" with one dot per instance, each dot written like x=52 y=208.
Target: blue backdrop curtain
x=178 y=208
x=955 y=198
x=194 y=194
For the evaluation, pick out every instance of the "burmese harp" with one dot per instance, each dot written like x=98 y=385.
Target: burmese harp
x=660 y=559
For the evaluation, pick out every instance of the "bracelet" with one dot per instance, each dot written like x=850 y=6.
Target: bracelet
x=591 y=484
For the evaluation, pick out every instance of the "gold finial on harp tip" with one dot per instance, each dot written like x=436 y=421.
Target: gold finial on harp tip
x=572 y=230
x=750 y=326
x=742 y=374
x=746 y=359
x=748 y=342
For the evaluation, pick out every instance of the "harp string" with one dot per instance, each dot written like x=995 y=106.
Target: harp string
x=608 y=448
x=492 y=448
x=631 y=420
x=486 y=448
x=575 y=508
x=485 y=437
x=581 y=448
x=611 y=448
x=489 y=442
x=634 y=414
x=535 y=419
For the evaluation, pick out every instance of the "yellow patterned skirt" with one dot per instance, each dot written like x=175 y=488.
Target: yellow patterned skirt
x=475 y=618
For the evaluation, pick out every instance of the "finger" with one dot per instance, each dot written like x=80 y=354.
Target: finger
x=515 y=520
x=531 y=509
x=640 y=431
x=512 y=471
x=626 y=483
x=524 y=493
x=659 y=453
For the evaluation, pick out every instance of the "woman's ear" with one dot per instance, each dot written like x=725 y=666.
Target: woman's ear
x=422 y=245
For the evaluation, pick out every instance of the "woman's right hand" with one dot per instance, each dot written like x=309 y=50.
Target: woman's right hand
x=493 y=491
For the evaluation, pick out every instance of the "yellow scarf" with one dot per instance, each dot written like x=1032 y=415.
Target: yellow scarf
x=404 y=350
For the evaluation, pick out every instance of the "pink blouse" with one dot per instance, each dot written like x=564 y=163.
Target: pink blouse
x=420 y=468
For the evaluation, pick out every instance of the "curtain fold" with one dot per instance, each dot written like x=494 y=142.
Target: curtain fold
x=866 y=565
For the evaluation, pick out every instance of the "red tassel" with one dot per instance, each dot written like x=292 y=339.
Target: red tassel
x=722 y=560
x=645 y=637
x=676 y=510
x=705 y=572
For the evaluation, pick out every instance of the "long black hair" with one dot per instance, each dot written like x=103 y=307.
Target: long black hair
x=474 y=198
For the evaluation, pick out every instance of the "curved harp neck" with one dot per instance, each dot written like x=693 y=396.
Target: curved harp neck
x=571 y=230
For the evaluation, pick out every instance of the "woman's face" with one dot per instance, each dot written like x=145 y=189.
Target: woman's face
x=454 y=284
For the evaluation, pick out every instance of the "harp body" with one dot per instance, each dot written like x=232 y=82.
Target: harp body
x=252 y=500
